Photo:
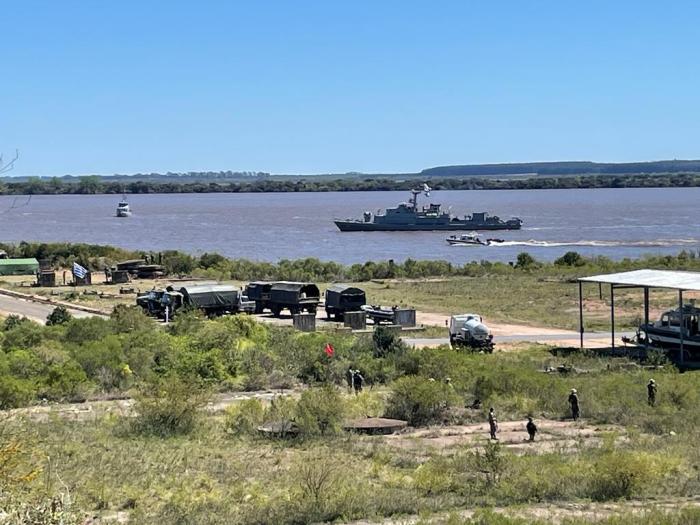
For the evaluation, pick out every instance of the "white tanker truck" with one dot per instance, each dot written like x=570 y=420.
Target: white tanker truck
x=469 y=330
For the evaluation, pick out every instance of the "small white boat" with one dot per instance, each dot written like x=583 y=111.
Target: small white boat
x=123 y=209
x=466 y=239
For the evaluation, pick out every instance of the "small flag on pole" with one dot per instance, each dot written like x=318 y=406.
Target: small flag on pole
x=79 y=271
x=329 y=350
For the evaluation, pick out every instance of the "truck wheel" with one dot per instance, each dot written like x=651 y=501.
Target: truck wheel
x=258 y=308
x=312 y=310
x=276 y=311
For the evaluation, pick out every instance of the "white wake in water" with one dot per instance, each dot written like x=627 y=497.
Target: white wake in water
x=549 y=244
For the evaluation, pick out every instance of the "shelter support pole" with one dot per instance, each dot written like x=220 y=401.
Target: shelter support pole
x=580 y=311
x=600 y=291
x=612 y=316
x=646 y=316
x=682 y=325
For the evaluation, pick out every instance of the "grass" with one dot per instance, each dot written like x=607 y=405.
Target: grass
x=211 y=476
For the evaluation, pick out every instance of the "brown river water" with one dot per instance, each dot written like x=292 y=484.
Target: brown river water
x=615 y=223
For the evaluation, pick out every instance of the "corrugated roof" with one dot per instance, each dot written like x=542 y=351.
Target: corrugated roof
x=651 y=279
x=9 y=262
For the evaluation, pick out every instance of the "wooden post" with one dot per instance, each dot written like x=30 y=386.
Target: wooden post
x=646 y=317
x=580 y=311
x=680 y=306
x=612 y=315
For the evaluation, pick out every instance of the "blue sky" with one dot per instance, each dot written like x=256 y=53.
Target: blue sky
x=317 y=87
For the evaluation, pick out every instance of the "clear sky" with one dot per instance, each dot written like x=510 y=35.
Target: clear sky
x=330 y=86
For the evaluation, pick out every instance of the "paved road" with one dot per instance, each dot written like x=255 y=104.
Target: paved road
x=33 y=310
x=531 y=338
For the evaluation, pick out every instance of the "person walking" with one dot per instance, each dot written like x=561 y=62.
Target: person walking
x=493 y=424
x=573 y=402
x=531 y=428
x=651 y=393
x=358 y=382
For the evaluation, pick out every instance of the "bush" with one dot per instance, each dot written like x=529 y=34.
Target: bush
x=319 y=411
x=60 y=315
x=420 y=401
x=244 y=418
x=168 y=407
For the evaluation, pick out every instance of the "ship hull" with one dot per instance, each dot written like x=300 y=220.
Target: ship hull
x=359 y=226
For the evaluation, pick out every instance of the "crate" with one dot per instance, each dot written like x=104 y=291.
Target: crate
x=355 y=320
x=304 y=322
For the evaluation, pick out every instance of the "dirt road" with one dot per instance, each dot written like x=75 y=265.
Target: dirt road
x=33 y=310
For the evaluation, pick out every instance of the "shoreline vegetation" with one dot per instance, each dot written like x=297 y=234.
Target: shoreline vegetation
x=519 y=176
x=215 y=266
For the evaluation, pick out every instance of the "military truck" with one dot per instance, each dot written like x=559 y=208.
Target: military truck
x=259 y=292
x=341 y=298
x=297 y=297
x=213 y=300
x=469 y=330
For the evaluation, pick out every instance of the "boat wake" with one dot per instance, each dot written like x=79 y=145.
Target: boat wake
x=550 y=244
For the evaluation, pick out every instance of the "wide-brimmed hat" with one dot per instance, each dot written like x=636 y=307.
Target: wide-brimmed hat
x=573 y=390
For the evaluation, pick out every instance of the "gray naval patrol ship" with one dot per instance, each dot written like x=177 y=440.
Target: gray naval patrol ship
x=408 y=217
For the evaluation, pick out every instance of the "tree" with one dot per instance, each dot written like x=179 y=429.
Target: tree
x=60 y=315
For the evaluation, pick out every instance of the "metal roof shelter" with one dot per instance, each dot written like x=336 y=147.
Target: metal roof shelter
x=18 y=266
x=646 y=279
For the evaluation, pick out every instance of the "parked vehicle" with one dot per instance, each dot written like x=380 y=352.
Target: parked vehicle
x=213 y=300
x=297 y=297
x=259 y=292
x=341 y=298
x=470 y=330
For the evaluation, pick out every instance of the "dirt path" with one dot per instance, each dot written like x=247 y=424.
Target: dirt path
x=93 y=410
x=554 y=513
x=562 y=436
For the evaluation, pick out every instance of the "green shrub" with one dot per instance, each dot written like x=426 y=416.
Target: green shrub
x=168 y=407
x=244 y=418
x=420 y=401
x=59 y=315
x=319 y=411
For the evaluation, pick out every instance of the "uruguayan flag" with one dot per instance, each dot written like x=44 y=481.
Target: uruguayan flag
x=79 y=271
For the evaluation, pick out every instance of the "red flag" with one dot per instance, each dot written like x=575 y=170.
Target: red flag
x=329 y=350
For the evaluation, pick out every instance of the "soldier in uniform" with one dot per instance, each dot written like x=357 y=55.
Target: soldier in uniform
x=358 y=382
x=493 y=424
x=531 y=428
x=651 y=392
x=573 y=402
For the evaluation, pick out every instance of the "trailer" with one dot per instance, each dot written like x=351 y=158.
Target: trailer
x=341 y=298
x=297 y=297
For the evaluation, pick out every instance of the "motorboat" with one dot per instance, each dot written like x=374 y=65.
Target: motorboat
x=466 y=239
x=123 y=209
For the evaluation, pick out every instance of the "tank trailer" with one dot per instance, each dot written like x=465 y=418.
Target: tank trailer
x=469 y=330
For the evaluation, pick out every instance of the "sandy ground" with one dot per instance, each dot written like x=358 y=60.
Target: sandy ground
x=553 y=435
x=93 y=410
x=554 y=513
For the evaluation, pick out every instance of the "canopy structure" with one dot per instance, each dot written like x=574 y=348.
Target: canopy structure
x=646 y=279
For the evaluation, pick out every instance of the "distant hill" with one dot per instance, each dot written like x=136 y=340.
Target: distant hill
x=564 y=168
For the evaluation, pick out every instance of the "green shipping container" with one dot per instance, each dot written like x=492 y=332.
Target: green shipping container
x=18 y=266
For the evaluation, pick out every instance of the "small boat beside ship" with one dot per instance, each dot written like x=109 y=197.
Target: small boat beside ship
x=470 y=239
x=123 y=209
x=408 y=217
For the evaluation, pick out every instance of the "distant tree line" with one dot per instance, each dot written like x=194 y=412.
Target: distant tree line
x=99 y=185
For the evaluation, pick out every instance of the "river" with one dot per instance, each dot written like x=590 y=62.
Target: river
x=615 y=223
